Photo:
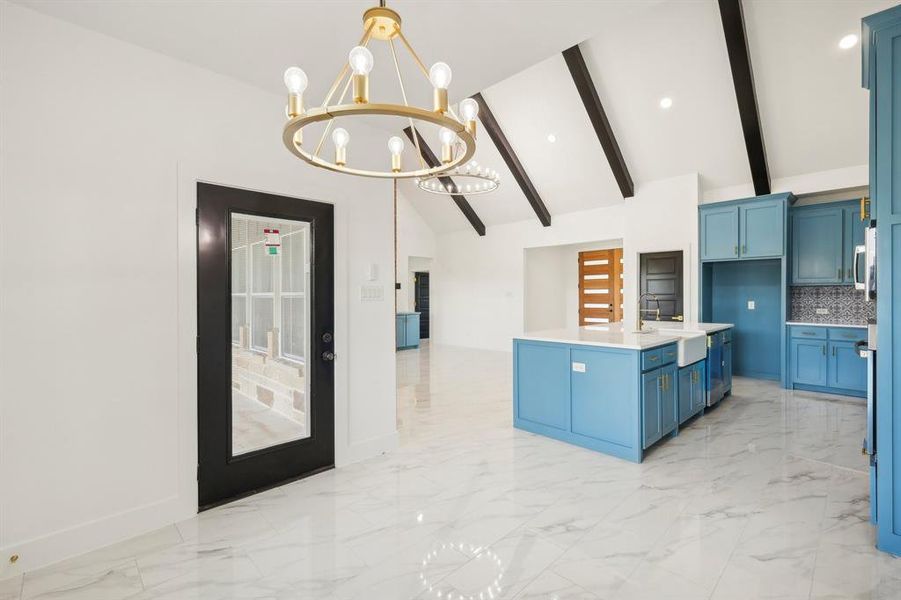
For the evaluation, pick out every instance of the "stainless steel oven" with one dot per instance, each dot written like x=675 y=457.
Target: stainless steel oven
x=868 y=349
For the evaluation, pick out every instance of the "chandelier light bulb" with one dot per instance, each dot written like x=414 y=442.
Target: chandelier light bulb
x=295 y=80
x=395 y=145
x=446 y=136
x=340 y=137
x=440 y=75
x=360 y=60
x=469 y=109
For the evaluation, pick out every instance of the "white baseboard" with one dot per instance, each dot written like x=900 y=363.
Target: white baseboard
x=368 y=449
x=51 y=548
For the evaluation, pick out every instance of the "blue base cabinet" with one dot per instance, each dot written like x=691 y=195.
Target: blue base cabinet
x=613 y=400
x=406 y=330
x=692 y=390
x=824 y=359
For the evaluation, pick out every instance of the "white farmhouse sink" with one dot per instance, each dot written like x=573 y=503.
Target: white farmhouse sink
x=692 y=345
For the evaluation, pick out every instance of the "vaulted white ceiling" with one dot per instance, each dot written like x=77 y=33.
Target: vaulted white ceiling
x=812 y=109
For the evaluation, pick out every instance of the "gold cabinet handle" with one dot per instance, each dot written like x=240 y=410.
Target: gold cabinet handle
x=735 y=251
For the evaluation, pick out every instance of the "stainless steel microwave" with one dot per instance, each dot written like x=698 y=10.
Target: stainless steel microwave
x=865 y=258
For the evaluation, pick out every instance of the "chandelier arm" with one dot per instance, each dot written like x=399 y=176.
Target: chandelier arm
x=415 y=56
x=328 y=126
x=403 y=93
x=364 y=41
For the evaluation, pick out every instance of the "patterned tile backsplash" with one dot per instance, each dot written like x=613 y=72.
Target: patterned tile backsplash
x=846 y=305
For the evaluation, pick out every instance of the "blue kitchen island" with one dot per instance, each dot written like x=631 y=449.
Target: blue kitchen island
x=607 y=389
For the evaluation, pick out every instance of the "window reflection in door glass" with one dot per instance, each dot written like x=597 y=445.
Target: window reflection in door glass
x=270 y=302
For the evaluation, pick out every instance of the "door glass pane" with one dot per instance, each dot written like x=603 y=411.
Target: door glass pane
x=270 y=324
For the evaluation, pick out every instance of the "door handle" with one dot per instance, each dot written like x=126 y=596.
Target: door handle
x=328 y=356
x=744 y=249
x=823 y=347
x=735 y=251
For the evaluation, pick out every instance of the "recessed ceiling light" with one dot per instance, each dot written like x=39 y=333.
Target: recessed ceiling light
x=666 y=102
x=551 y=138
x=848 y=42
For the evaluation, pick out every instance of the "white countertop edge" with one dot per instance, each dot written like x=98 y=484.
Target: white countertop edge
x=825 y=325
x=652 y=341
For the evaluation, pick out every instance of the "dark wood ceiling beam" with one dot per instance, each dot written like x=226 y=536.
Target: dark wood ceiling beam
x=592 y=102
x=491 y=126
x=462 y=203
x=743 y=80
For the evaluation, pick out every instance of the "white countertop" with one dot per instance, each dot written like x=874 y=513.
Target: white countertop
x=609 y=336
x=688 y=326
x=825 y=324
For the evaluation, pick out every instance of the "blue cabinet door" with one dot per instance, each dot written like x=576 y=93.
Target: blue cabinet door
x=603 y=395
x=727 y=367
x=668 y=398
x=543 y=386
x=847 y=370
x=817 y=255
x=854 y=234
x=650 y=407
x=719 y=233
x=412 y=327
x=686 y=393
x=762 y=229
x=400 y=331
x=808 y=362
x=699 y=387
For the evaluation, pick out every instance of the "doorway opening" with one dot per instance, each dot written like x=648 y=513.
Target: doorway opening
x=421 y=301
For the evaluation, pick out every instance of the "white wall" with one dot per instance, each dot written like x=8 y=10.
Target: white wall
x=479 y=283
x=102 y=145
x=414 y=239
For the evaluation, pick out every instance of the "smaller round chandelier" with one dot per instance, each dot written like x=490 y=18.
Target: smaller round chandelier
x=457 y=133
x=471 y=179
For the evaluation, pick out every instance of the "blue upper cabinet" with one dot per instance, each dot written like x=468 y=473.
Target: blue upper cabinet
x=823 y=238
x=744 y=229
x=719 y=233
x=762 y=232
x=817 y=246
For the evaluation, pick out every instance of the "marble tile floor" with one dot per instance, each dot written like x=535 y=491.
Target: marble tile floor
x=766 y=496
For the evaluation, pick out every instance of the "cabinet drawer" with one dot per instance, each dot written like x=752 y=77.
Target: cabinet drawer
x=816 y=333
x=669 y=354
x=847 y=334
x=651 y=359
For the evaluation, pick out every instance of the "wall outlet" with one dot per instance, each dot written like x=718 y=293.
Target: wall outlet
x=578 y=367
x=822 y=311
x=752 y=305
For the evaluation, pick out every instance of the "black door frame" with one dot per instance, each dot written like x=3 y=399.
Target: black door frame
x=222 y=477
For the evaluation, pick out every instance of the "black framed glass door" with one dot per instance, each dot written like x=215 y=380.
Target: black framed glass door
x=265 y=294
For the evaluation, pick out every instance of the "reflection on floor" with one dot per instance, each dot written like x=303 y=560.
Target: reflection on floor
x=268 y=401
x=766 y=496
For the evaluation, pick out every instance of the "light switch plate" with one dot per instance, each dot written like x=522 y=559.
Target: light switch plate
x=578 y=367
x=822 y=311
x=752 y=305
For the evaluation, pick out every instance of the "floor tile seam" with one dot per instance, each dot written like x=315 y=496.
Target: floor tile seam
x=728 y=561
x=90 y=580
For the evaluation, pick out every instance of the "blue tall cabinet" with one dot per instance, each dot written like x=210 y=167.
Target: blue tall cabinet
x=881 y=48
x=743 y=280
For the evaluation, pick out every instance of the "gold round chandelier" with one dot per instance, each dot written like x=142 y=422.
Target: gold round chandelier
x=471 y=179
x=457 y=135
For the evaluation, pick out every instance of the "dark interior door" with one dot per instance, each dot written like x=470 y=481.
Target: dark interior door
x=661 y=275
x=265 y=322
x=421 y=295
